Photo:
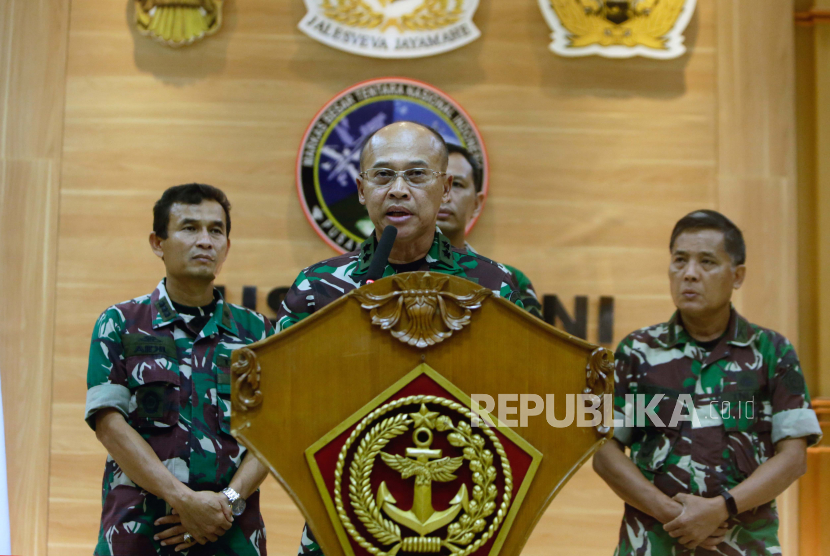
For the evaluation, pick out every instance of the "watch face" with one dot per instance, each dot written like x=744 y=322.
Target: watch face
x=238 y=506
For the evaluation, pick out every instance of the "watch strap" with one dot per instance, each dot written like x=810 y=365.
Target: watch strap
x=731 y=505
x=232 y=495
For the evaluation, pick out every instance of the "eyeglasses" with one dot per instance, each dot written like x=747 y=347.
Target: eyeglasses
x=416 y=177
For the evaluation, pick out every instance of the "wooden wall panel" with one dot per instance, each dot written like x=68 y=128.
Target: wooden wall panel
x=757 y=170
x=592 y=163
x=32 y=75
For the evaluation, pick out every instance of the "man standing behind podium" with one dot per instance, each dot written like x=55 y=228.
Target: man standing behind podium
x=466 y=200
x=159 y=398
x=746 y=441
x=402 y=183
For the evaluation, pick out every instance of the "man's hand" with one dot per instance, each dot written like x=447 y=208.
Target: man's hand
x=668 y=511
x=173 y=535
x=700 y=520
x=205 y=515
x=717 y=537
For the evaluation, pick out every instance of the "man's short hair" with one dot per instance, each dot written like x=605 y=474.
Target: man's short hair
x=705 y=219
x=440 y=138
x=187 y=194
x=478 y=177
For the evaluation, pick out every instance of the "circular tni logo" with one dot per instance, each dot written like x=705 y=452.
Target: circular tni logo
x=329 y=159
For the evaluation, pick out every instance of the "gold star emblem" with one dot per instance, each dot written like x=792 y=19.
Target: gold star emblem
x=424 y=418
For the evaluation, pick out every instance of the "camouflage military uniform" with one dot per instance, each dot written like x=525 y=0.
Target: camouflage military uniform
x=172 y=384
x=324 y=282
x=526 y=291
x=747 y=392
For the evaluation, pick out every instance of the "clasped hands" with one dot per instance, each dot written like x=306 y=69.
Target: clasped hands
x=699 y=522
x=205 y=515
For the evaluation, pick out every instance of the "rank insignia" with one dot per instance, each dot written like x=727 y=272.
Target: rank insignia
x=409 y=473
x=618 y=28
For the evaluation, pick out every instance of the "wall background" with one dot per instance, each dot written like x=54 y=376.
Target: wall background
x=592 y=162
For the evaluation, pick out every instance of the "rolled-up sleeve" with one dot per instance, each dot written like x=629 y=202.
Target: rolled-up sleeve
x=792 y=414
x=107 y=382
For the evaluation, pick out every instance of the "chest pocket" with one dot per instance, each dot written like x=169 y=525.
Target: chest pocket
x=749 y=436
x=657 y=442
x=223 y=391
x=154 y=380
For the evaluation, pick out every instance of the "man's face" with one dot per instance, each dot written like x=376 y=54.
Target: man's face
x=701 y=273
x=465 y=202
x=412 y=210
x=197 y=242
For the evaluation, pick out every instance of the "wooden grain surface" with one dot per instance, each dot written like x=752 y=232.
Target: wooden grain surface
x=592 y=162
x=33 y=36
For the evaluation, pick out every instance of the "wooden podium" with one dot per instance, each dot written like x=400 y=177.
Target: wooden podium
x=363 y=413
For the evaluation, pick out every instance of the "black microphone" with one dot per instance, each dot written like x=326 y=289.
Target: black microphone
x=381 y=256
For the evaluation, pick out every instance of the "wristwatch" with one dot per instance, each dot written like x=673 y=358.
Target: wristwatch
x=731 y=505
x=236 y=502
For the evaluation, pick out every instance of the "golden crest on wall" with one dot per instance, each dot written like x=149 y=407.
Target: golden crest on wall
x=618 y=28
x=178 y=22
x=412 y=473
x=391 y=28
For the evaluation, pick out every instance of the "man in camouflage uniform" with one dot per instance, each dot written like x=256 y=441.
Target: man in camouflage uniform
x=464 y=205
x=402 y=182
x=732 y=416
x=159 y=398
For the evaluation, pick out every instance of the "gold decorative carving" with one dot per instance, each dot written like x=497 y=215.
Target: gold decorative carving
x=419 y=312
x=466 y=520
x=245 y=371
x=178 y=22
x=600 y=380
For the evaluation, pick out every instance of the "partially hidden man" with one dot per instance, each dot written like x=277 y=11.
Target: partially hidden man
x=403 y=182
x=706 y=484
x=464 y=205
x=159 y=398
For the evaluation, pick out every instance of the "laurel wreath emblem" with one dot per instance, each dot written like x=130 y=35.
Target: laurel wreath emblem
x=433 y=14
x=461 y=533
x=353 y=13
x=429 y=16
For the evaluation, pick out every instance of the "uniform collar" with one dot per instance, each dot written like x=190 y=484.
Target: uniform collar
x=470 y=248
x=163 y=312
x=738 y=333
x=439 y=257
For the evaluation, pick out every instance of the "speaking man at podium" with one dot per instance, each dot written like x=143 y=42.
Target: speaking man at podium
x=403 y=181
x=706 y=485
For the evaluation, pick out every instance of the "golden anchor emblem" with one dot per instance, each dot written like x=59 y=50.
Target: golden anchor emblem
x=427 y=466
x=473 y=516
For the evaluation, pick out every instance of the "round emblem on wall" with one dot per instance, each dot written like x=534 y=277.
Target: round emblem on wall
x=328 y=160
x=391 y=28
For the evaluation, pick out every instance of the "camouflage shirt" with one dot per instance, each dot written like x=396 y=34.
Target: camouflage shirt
x=324 y=282
x=172 y=384
x=526 y=291
x=742 y=397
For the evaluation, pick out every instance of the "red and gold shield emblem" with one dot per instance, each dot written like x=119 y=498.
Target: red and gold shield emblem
x=412 y=471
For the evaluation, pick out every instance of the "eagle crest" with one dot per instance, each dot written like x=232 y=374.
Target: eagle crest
x=439 y=470
x=628 y=23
